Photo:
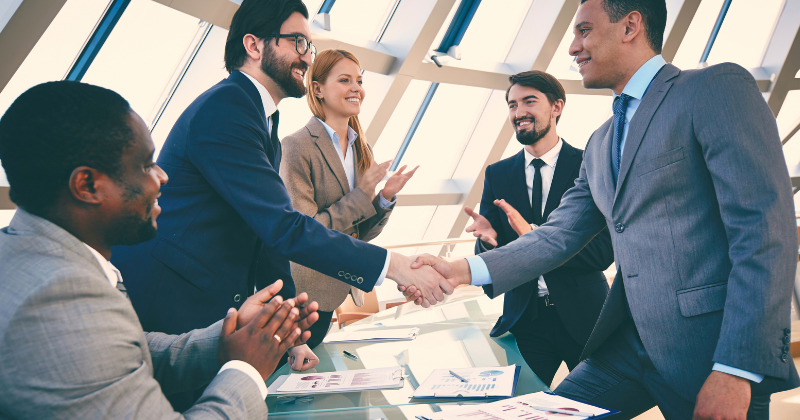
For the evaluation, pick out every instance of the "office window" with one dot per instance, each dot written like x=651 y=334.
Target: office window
x=745 y=47
x=142 y=52
x=55 y=51
x=406 y=225
x=489 y=35
x=691 y=49
x=361 y=18
x=388 y=143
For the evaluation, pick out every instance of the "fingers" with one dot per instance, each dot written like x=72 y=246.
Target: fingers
x=289 y=341
x=229 y=323
x=301 y=299
x=265 y=294
x=424 y=259
x=283 y=321
x=488 y=240
x=266 y=313
x=446 y=286
x=309 y=309
x=504 y=206
x=308 y=321
x=471 y=213
x=413 y=171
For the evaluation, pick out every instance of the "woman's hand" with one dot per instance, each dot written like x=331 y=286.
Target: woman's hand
x=396 y=182
x=372 y=177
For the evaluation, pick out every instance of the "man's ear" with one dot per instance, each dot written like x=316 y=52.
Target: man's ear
x=253 y=46
x=88 y=185
x=558 y=107
x=633 y=26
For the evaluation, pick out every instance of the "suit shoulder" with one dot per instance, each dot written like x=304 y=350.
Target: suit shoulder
x=222 y=101
x=712 y=72
x=503 y=163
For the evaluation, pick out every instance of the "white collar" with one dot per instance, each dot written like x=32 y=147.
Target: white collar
x=108 y=268
x=550 y=158
x=351 y=134
x=641 y=80
x=266 y=99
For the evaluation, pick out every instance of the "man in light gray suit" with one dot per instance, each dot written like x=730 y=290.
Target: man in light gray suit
x=688 y=175
x=79 y=162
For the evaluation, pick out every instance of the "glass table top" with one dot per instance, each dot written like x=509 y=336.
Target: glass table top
x=453 y=334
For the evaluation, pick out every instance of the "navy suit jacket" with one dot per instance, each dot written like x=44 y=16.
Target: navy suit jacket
x=227 y=225
x=577 y=288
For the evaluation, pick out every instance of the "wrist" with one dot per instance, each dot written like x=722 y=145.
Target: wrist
x=463 y=274
x=387 y=195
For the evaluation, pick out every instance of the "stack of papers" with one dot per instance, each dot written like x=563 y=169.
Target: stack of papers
x=540 y=406
x=400 y=334
x=482 y=382
x=338 y=382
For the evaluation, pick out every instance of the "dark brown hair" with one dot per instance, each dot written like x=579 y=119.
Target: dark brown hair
x=541 y=81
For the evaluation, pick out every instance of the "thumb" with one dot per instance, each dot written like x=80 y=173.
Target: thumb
x=229 y=324
x=425 y=259
x=470 y=212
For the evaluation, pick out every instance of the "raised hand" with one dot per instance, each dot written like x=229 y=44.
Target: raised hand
x=396 y=182
x=481 y=228
x=455 y=273
x=264 y=340
x=430 y=285
x=372 y=177
x=518 y=223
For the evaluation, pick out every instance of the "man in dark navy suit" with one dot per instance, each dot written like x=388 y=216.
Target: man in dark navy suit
x=552 y=315
x=227 y=226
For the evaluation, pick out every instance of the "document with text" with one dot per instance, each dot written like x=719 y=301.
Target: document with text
x=396 y=334
x=536 y=406
x=339 y=382
x=481 y=382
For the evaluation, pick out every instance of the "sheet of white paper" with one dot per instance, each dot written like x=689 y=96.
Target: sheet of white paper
x=521 y=408
x=346 y=336
x=344 y=381
x=481 y=382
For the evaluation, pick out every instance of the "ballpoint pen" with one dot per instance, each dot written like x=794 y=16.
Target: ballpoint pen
x=561 y=411
x=350 y=355
x=458 y=376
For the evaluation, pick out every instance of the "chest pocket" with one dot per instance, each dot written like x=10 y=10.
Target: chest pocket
x=660 y=161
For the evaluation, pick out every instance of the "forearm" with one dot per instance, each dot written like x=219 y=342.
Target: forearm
x=187 y=361
x=597 y=255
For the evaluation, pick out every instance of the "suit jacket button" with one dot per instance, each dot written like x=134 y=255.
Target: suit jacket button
x=785 y=358
x=786 y=339
x=619 y=227
x=347 y=276
x=237 y=298
x=786 y=331
x=786 y=349
x=360 y=280
x=341 y=274
x=355 y=235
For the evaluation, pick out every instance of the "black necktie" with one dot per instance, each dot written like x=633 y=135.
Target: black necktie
x=536 y=195
x=276 y=144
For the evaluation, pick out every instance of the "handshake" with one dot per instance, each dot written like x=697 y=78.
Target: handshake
x=426 y=279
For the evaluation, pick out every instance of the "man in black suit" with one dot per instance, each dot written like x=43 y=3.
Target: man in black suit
x=552 y=315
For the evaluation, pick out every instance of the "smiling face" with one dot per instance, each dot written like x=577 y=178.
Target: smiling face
x=341 y=92
x=597 y=46
x=134 y=198
x=282 y=63
x=531 y=113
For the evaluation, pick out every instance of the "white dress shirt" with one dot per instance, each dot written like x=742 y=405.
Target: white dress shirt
x=269 y=109
x=113 y=275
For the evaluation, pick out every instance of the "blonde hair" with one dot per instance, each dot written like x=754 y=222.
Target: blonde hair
x=319 y=73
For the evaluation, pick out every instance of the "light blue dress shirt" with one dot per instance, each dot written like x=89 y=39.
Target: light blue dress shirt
x=636 y=88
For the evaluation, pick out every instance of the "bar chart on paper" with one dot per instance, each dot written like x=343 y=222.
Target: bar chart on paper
x=478 y=382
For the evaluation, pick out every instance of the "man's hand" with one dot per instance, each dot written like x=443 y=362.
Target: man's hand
x=302 y=358
x=482 y=229
x=396 y=182
x=518 y=223
x=262 y=342
x=254 y=304
x=456 y=273
x=723 y=396
x=430 y=285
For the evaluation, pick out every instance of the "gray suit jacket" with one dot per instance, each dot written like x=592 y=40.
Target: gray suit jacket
x=702 y=224
x=72 y=346
x=317 y=184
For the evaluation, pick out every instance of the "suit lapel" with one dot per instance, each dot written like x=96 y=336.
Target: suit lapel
x=641 y=120
x=519 y=187
x=565 y=167
x=605 y=152
x=325 y=144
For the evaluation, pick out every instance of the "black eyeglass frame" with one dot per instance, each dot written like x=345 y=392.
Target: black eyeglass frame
x=309 y=45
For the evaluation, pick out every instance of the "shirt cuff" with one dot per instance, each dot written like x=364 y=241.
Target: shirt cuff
x=719 y=367
x=248 y=370
x=386 y=204
x=385 y=268
x=479 y=271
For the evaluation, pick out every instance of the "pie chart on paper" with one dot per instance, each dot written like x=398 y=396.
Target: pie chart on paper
x=488 y=373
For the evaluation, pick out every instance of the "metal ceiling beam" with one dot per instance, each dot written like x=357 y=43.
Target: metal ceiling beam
x=679 y=28
x=781 y=59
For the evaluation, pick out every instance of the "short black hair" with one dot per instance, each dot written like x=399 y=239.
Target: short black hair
x=261 y=18
x=55 y=127
x=654 y=16
x=541 y=81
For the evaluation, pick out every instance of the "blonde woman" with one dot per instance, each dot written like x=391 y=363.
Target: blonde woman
x=330 y=173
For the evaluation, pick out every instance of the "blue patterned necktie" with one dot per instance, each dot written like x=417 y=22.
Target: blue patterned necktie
x=620 y=107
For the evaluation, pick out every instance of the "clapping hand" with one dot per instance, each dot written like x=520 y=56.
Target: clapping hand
x=251 y=307
x=518 y=223
x=481 y=228
x=372 y=177
x=396 y=182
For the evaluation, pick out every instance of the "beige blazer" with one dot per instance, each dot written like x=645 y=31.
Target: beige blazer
x=317 y=185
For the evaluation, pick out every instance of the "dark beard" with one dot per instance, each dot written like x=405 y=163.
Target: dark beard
x=529 y=137
x=131 y=229
x=281 y=73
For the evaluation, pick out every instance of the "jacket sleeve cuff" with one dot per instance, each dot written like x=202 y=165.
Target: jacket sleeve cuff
x=386 y=204
x=385 y=269
x=479 y=271
x=719 y=367
x=250 y=371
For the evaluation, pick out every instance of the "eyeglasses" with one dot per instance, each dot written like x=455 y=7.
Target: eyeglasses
x=301 y=44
